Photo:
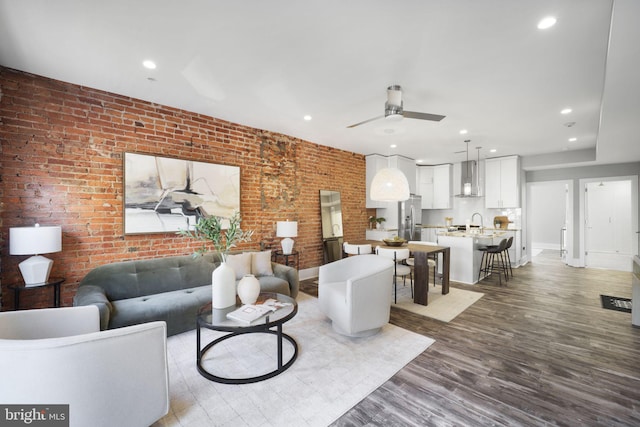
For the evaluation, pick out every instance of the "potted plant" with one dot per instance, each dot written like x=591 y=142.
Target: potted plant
x=375 y=222
x=210 y=230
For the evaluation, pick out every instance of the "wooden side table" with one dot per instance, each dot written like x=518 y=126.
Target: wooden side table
x=294 y=254
x=53 y=282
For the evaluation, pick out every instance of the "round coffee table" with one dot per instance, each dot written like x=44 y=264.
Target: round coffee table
x=216 y=319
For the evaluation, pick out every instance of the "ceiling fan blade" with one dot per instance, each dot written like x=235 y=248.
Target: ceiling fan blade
x=422 y=116
x=366 y=121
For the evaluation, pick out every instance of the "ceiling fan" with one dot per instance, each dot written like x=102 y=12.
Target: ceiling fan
x=393 y=109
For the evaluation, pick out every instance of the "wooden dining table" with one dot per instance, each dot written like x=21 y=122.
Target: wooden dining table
x=421 y=266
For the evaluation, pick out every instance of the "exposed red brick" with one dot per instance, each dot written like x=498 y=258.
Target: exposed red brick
x=61 y=162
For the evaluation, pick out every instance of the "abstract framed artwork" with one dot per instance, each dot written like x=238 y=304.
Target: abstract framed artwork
x=165 y=195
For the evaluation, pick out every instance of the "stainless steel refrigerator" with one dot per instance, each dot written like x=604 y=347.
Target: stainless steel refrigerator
x=410 y=218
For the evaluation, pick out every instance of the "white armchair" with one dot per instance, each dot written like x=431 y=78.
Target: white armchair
x=355 y=294
x=117 y=377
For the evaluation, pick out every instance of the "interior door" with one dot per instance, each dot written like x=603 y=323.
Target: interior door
x=608 y=237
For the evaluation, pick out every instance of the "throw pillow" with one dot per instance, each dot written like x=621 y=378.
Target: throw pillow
x=261 y=263
x=241 y=264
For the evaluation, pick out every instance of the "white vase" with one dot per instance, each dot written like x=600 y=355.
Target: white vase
x=223 y=286
x=249 y=289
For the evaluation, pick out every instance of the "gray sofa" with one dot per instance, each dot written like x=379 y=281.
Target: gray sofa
x=170 y=289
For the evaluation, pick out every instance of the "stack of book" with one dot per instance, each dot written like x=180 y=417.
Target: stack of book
x=250 y=312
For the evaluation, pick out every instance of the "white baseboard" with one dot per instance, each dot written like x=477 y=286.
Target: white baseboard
x=308 y=273
x=540 y=245
x=574 y=262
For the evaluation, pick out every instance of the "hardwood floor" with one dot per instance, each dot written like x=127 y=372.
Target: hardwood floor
x=539 y=350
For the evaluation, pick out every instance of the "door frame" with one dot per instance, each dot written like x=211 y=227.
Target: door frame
x=634 y=211
x=569 y=218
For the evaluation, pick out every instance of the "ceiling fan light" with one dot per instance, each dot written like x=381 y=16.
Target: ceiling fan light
x=393 y=117
x=394 y=96
x=389 y=185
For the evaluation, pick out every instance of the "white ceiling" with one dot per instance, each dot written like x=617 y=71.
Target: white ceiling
x=481 y=63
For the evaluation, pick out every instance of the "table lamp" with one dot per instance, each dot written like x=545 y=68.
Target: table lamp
x=35 y=241
x=287 y=229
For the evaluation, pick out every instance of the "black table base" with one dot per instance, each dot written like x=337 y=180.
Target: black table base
x=281 y=366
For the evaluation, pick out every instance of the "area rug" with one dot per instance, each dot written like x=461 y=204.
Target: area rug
x=616 y=303
x=331 y=374
x=440 y=307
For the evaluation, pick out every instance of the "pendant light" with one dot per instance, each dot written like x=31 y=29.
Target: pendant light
x=389 y=185
x=466 y=188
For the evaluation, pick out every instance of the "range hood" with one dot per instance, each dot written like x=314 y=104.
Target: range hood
x=469 y=179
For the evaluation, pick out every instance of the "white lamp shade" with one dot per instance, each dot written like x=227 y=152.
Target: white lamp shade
x=287 y=229
x=35 y=240
x=389 y=185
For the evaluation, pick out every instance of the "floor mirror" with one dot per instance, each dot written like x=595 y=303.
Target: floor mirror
x=331 y=214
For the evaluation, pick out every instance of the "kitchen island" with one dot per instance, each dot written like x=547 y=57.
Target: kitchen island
x=465 y=256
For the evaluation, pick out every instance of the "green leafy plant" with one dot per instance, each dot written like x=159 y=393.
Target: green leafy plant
x=210 y=230
x=373 y=220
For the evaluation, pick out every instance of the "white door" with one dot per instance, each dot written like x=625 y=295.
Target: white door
x=609 y=234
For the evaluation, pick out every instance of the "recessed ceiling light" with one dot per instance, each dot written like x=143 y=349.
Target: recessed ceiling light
x=566 y=111
x=463 y=131
x=573 y=139
x=393 y=146
x=419 y=161
x=547 y=22
x=149 y=64
x=493 y=150
x=307 y=117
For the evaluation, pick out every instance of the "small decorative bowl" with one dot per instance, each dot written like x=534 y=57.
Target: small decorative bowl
x=392 y=242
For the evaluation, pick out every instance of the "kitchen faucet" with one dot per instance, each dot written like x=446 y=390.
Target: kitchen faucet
x=481 y=221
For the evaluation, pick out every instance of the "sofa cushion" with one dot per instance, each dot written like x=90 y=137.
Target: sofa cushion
x=261 y=264
x=178 y=308
x=241 y=264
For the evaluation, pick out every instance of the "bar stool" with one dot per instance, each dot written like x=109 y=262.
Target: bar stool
x=506 y=251
x=493 y=260
x=399 y=268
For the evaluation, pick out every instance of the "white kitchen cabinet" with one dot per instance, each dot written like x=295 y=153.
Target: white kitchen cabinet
x=375 y=162
x=442 y=175
x=502 y=182
x=408 y=167
x=434 y=185
x=425 y=186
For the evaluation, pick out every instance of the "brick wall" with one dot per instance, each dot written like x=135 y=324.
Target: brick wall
x=62 y=164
